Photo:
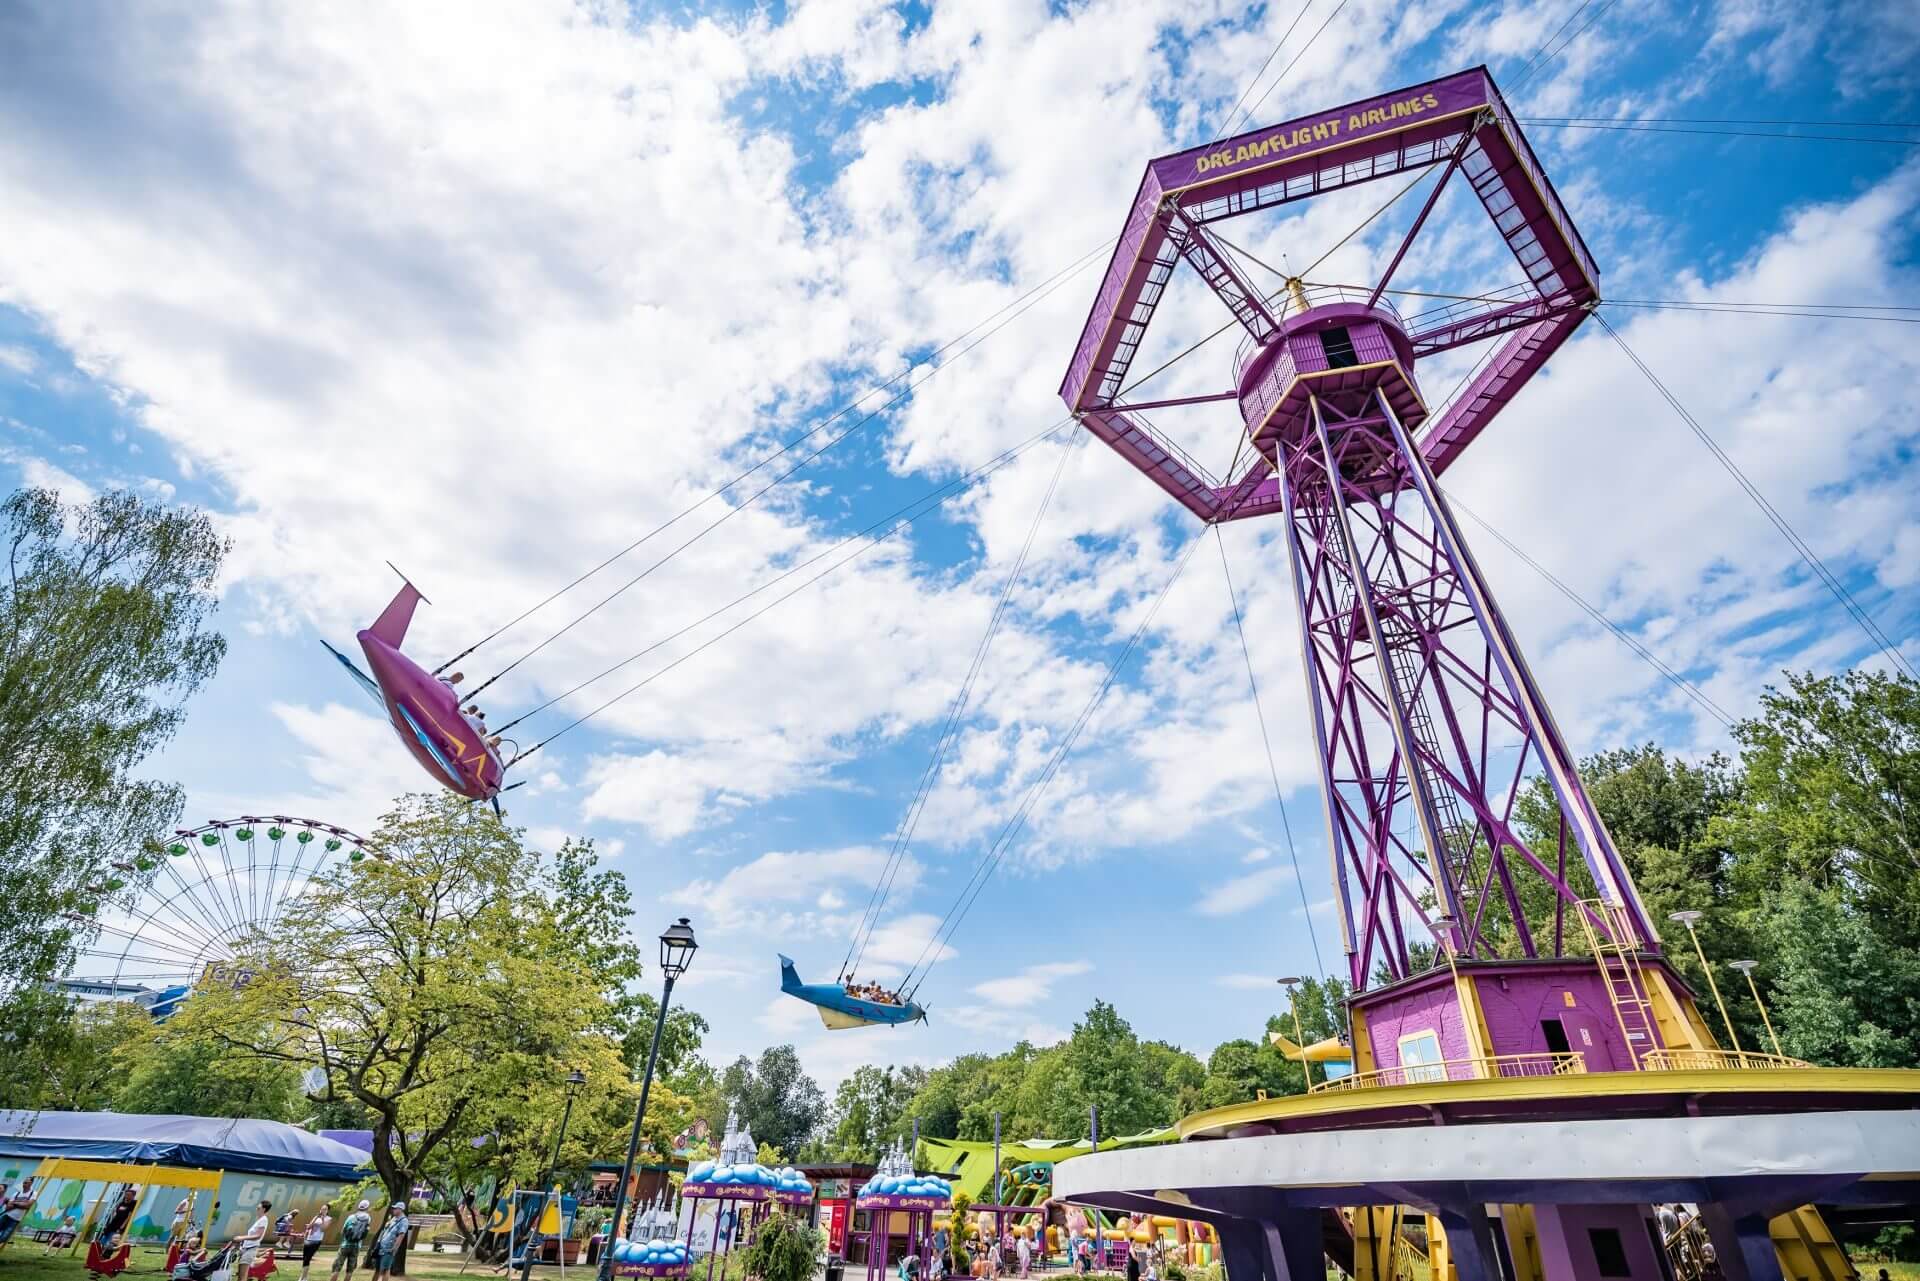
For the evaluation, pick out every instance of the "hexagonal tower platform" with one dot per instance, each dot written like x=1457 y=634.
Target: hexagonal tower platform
x=1529 y=1076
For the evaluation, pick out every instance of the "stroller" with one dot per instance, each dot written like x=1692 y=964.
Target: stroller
x=217 y=1266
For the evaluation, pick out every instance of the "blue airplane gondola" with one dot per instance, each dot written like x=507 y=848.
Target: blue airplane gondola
x=840 y=1008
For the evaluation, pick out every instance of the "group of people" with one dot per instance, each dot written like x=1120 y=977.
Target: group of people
x=872 y=992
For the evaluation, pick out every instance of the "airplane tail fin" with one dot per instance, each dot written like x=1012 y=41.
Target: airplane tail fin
x=391 y=626
x=789 y=977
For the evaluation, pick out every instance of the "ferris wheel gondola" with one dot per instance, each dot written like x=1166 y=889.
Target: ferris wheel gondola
x=184 y=909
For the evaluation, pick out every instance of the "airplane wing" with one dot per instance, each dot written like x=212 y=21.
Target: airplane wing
x=366 y=681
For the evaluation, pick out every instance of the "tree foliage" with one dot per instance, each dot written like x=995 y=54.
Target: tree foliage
x=776 y=1098
x=444 y=986
x=105 y=612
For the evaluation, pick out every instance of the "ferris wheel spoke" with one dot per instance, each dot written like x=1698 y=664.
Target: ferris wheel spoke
x=214 y=915
x=186 y=927
x=233 y=891
x=204 y=915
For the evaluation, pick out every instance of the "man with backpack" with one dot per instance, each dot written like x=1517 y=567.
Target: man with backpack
x=353 y=1234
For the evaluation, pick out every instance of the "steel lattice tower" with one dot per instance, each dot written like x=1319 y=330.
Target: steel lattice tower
x=1426 y=720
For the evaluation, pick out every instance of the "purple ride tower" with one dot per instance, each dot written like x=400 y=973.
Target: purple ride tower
x=1554 y=1007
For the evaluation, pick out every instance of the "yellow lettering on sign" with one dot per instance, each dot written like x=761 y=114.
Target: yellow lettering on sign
x=1568 y=998
x=1322 y=131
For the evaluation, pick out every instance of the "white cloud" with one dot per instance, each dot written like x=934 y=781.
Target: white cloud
x=1243 y=892
x=782 y=879
x=18 y=359
x=1030 y=986
x=1245 y=982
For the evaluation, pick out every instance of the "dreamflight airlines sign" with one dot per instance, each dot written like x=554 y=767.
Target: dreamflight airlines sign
x=1296 y=137
x=1406 y=109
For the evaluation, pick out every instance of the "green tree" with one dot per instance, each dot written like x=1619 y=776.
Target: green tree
x=1842 y=993
x=61 y=1057
x=868 y=1112
x=104 y=633
x=779 y=1102
x=1831 y=795
x=445 y=986
x=164 y=1071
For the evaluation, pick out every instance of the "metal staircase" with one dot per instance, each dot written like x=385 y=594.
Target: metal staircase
x=1619 y=963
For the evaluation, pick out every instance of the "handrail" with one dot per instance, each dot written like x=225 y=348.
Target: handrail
x=1490 y=1067
x=1281 y=303
x=1718 y=1060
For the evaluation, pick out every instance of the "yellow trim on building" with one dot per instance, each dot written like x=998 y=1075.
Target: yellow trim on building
x=1795 y=1081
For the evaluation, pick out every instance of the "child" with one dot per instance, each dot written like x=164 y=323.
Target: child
x=64 y=1236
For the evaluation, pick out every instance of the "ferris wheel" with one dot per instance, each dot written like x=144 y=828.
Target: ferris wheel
x=180 y=910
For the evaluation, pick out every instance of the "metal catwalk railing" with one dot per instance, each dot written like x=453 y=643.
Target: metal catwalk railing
x=1488 y=1068
x=1718 y=1060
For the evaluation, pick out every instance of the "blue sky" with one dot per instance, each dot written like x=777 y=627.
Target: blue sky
x=491 y=292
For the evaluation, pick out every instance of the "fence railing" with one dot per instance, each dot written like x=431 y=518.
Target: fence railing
x=1717 y=1060
x=1490 y=1068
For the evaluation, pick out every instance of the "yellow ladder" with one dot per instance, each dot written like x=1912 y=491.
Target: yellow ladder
x=1620 y=972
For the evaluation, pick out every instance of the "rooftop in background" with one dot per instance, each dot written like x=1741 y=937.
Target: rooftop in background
x=196 y=1142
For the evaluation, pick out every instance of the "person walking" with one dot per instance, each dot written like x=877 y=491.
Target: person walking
x=255 y=1236
x=353 y=1234
x=392 y=1240
x=1023 y=1251
x=1133 y=1262
x=314 y=1237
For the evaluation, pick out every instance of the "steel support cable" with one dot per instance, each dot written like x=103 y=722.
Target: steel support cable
x=1016 y=821
x=1285 y=36
x=1512 y=293
x=1563 y=46
x=1720 y=120
x=949 y=731
x=1296 y=58
x=1528 y=68
x=1033 y=299
x=1725 y=133
x=1010 y=830
x=785 y=449
x=937 y=496
x=1625 y=637
x=1779 y=522
x=896 y=521
x=1273 y=771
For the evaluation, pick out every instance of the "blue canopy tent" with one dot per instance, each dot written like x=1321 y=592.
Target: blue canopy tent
x=78 y=1159
x=196 y=1142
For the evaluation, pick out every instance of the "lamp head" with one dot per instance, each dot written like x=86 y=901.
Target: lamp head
x=1291 y=980
x=1745 y=967
x=1685 y=918
x=576 y=1079
x=677 y=947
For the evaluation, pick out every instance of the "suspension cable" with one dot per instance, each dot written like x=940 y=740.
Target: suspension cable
x=1779 y=522
x=977 y=882
x=896 y=522
x=1625 y=637
x=1034 y=297
x=1635 y=127
x=1277 y=80
x=785 y=449
x=1285 y=36
x=950 y=731
x=1273 y=771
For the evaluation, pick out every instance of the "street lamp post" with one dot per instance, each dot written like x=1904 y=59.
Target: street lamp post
x=1444 y=927
x=1689 y=919
x=575 y=1079
x=1746 y=968
x=1291 y=982
x=677 y=947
